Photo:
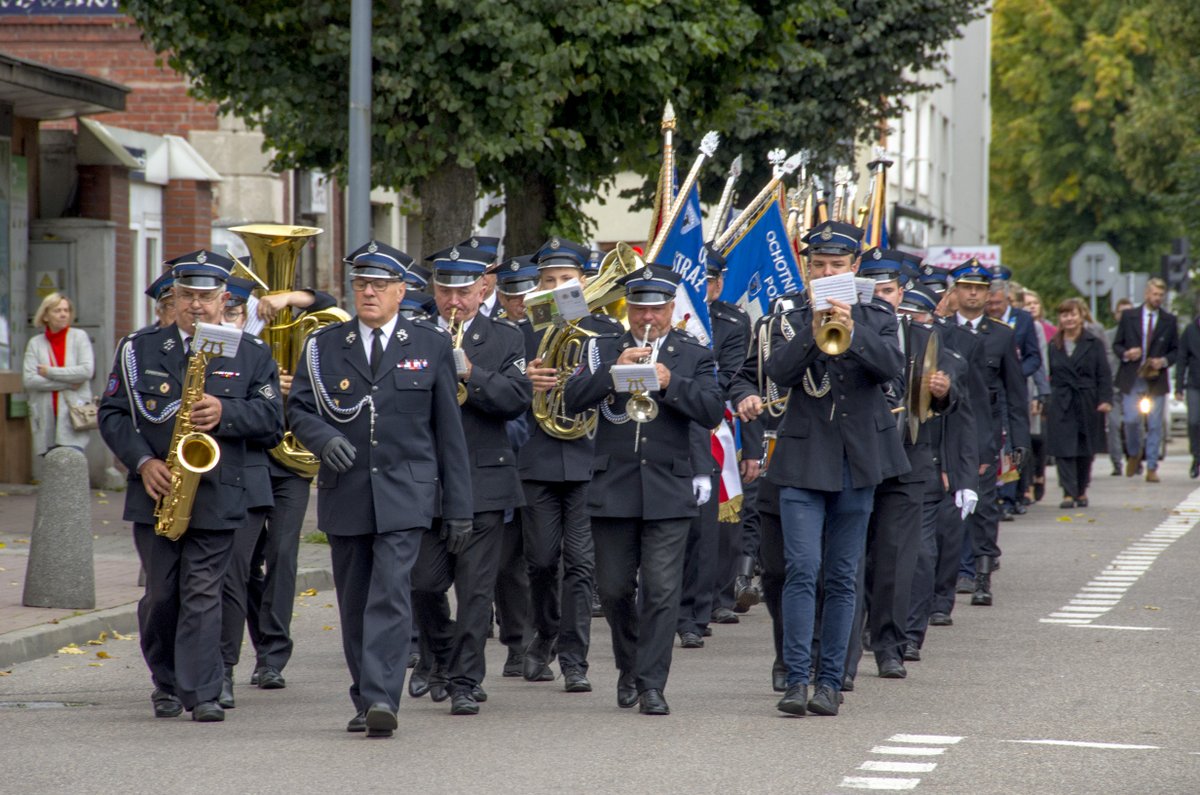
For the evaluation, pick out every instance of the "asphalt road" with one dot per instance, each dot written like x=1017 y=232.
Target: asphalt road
x=1008 y=700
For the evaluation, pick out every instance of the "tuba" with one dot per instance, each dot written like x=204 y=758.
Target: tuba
x=274 y=251
x=562 y=345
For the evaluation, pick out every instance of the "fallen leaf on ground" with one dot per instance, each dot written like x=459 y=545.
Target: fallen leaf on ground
x=326 y=627
x=103 y=655
x=309 y=592
x=101 y=494
x=6 y=673
x=1064 y=519
x=95 y=643
x=21 y=541
x=71 y=648
x=96 y=665
x=1152 y=607
x=3 y=545
x=118 y=636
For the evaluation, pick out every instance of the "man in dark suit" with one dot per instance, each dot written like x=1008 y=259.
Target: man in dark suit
x=1147 y=343
x=555 y=472
x=375 y=397
x=495 y=390
x=1008 y=414
x=703 y=561
x=837 y=442
x=179 y=617
x=1187 y=386
x=643 y=491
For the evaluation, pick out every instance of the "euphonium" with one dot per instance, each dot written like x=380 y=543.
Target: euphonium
x=562 y=346
x=457 y=328
x=190 y=455
x=274 y=251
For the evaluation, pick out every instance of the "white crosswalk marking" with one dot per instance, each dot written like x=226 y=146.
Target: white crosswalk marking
x=897 y=750
x=897 y=767
x=883 y=784
x=925 y=739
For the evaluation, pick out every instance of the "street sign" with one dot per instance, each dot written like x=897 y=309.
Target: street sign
x=950 y=257
x=1094 y=269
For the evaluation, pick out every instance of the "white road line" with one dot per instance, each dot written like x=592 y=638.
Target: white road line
x=1082 y=744
x=876 y=766
x=925 y=739
x=1136 y=629
x=895 y=750
x=885 y=784
x=1080 y=621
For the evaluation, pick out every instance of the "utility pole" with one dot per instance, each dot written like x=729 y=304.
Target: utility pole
x=358 y=189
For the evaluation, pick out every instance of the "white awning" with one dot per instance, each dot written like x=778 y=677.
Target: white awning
x=160 y=158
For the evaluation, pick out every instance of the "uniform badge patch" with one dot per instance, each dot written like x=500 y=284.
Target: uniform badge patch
x=151 y=404
x=351 y=337
x=401 y=335
x=520 y=363
x=268 y=392
x=344 y=384
x=164 y=387
x=169 y=344
x=412 y=364
x=114 y=384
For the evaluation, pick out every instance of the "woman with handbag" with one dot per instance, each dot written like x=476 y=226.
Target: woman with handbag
x=59 y=364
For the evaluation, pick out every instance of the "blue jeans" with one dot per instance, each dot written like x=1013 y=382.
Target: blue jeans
x=1133 y=423
x=824 y=534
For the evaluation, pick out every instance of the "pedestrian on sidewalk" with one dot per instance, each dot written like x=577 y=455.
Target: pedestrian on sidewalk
x=1147 y=343
x=1080 y=397
x=58 y=369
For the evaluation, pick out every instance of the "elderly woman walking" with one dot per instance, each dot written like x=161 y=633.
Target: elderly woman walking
x=58 y=370
x=1080 y=396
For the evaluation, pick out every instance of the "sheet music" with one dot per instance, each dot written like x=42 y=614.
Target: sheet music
x=866 y=289
x=840 y=287
x=635 y=377
x=216 y=340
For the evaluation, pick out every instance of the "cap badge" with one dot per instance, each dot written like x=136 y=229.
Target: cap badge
x=202 y=258
x=514 y=266
x=474 y=243
x=878 y=254
x=826 y=233
x=648 y=274
x=372 y=247
x=454 y=255
x=555 y=243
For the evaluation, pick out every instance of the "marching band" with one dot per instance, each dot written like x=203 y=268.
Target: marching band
x=460 y=433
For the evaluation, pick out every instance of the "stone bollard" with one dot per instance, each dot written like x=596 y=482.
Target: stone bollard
x=60 y=572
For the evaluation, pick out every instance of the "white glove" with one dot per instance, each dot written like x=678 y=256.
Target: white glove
x=702 y=488
x=966 y=500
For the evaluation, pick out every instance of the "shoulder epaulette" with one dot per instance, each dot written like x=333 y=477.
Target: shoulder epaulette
x=503 y=321
x=428 y=325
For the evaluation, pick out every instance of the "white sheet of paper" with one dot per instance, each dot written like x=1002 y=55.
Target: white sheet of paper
x=569 y=299
x=840 y=287
x=216 y=340
x=635 y=377
x=866 y=289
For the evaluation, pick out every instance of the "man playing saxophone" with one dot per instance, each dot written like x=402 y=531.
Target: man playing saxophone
x=179 y=616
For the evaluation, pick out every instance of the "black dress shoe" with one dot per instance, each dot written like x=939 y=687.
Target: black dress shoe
x=270 y=679
x=597 y=608
x=723 y=615
x=439 y=686
x=1082 y=502
x=848 y=683
x=627 y=694
x=706 y=632
x=536 y=667
x=941 y=619
x=1194 y=470
x=514 y=664
x=1019 y=509
x=651 y=702
x=1006 y=515
x=824 y=701
x=964 y=585
x=1116 y=473
x=690 y=640
x=226 y=698
x=794 y=701
x=166 y=705
x=778 y=677
x=208 y=712
x=479 y=694
x=380 y=721
x=358 y=723
x=418 y=682
x=254 y=677
x=891 y=668
x=463 y=703
x=575 y=681
x=413 y=659
x=912 y=652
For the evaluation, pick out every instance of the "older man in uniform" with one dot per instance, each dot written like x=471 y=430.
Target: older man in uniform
x=642 y=496
x=179 y=617
x=837 y=442
x=375 y=397
x=558 y=536
x=494 y=390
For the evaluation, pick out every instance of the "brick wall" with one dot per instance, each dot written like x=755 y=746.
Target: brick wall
x=104 y=194
x=187 y=217
x=112 y=49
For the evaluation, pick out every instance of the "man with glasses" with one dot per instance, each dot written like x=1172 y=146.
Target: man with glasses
x=375 y=398
x=179 y=617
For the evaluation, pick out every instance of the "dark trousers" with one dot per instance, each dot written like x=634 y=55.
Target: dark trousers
x=1074 y=474
x=750 y=521
x=372 y=575
x=266 y=546
x=561 y=558
x=729 y=549
x=700 y=566
x=929 y=557
x=639 y=573
x=886 y=571
x=953 y=535
x=1193 y=418
x=770 y=555
x=179 y=615
x=512 y=587
x=984 y=524
x=458 y=645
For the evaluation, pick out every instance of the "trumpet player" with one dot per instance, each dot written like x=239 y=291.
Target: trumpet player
x=559 y=553
x=837 y=442
x=493 y=388
x=641 y=498
x=179 y=616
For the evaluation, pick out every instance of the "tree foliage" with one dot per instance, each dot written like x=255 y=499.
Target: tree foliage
x=1094 y=132
x=551 y=100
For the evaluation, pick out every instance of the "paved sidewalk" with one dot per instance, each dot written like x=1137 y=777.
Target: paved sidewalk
x=27 y=633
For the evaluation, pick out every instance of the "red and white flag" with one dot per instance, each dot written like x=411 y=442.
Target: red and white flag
x=724 y=450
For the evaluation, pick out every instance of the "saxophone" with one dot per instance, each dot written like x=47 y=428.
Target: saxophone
x=190 y=455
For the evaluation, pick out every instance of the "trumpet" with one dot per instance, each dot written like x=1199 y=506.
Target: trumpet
x=457 y=329
x=641 y=407
x=831 y=336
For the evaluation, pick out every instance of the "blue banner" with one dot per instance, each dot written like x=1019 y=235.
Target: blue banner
x=59 y=7
x=761 y=264
x=683 y=252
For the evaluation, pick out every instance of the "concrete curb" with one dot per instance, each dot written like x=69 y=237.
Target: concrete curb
x=43 y=640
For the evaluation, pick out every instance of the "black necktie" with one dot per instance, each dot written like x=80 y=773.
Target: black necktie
x=187 y=347
x=376 y=350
